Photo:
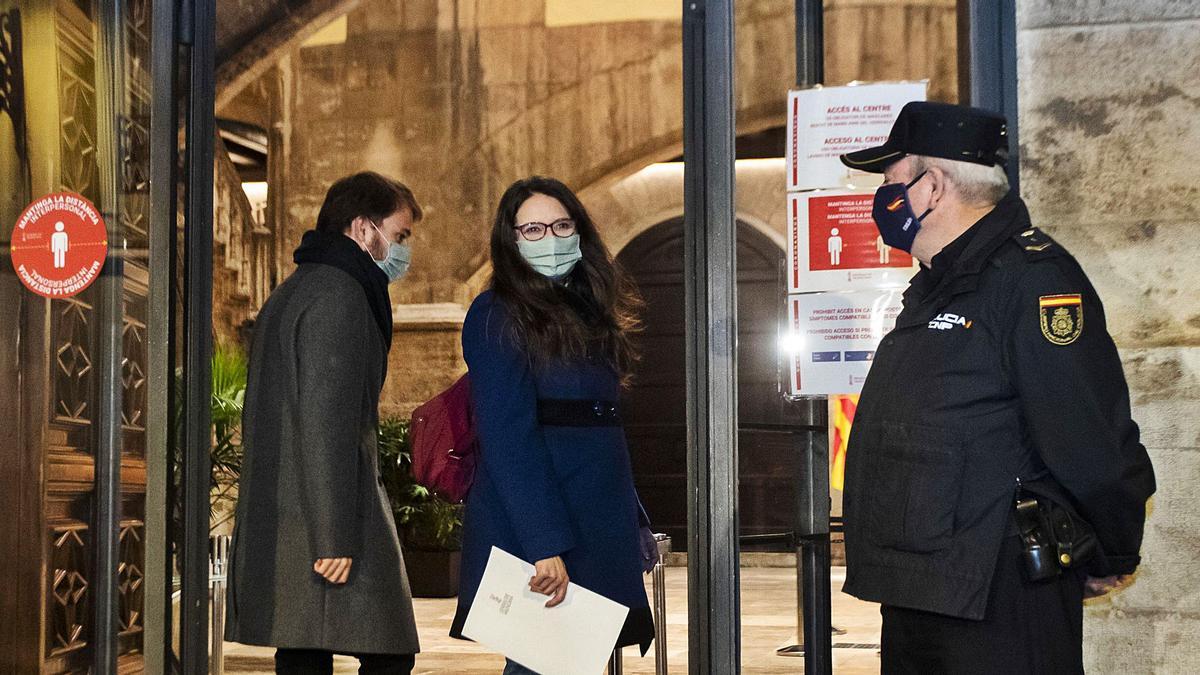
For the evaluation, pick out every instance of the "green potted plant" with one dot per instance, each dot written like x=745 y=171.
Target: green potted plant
x=229 y=370
x=429 y=526
x=226 y=401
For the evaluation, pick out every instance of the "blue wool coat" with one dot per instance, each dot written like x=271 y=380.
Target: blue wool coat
x=543 y=491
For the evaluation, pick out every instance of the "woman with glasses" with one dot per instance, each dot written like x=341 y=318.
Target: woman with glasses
x=548 y=348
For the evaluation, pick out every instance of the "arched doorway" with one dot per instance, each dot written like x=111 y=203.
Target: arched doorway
x=655 y=405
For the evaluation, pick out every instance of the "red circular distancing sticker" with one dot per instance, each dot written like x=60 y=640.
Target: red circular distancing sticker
x=59 y=244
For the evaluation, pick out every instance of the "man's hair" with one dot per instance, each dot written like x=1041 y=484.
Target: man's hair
x=977 y=184
x=368 y=195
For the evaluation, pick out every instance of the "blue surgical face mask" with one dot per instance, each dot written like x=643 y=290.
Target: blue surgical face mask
x=894 y=216
x=395 y=264
x=551 y=256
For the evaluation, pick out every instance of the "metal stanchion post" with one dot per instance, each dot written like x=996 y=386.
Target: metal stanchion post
x=615 y=666
x=218 y=570
x=813 y=622
x=660 y=605
x=659 y=608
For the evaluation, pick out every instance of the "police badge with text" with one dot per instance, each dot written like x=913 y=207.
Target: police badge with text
x=947 y=321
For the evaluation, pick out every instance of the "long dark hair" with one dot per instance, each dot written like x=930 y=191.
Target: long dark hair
x=594 y=317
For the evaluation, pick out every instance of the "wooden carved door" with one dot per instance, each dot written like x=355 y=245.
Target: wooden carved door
x=56 y=135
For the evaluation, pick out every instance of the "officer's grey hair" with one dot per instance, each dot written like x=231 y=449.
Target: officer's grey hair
x=976 y=184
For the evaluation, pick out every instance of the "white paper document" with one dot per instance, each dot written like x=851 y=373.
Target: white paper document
x=827 y=122
x=833 y=337
x=574 y=638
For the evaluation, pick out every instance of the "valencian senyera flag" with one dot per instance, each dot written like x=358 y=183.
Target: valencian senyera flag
x=841 y=417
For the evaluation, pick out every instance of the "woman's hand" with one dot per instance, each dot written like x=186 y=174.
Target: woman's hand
x=551 y=579
x=334 y=570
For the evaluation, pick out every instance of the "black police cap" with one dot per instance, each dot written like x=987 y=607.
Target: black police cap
x=938 y=130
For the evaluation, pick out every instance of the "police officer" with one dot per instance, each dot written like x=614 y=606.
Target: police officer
x=999 y=383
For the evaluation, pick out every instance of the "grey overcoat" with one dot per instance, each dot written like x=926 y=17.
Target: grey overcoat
x=310 y=483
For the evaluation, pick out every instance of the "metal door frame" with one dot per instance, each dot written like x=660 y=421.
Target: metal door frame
x=161 y=395
x=197 y=39
x=710 y=276
x=988 y=78
x=183 y=70
x=987 y=66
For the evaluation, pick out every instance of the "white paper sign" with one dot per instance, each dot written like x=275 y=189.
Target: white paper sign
x=833 y=244
x=826 y=122
x=832 y=338
x=576 y=637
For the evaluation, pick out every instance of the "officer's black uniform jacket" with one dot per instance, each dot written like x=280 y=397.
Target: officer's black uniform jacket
x=966 y=396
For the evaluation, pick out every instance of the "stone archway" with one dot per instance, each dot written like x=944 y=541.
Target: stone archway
x=437 y=95
x=459 y=99
x=627 y=208
x=252 y=36
x=654 y=406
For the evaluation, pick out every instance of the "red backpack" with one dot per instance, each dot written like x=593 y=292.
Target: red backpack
x=444 y=445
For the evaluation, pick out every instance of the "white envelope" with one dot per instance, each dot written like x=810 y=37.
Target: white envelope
x=574 y=638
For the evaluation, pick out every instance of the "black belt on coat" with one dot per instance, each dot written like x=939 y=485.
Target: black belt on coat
x=562 y=412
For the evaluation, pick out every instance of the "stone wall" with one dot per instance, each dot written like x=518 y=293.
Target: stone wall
x=1110 y=119
x=458 y=98
x=426 y=355
x=244 y=254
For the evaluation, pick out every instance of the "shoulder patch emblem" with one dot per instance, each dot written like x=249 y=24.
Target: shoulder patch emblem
x=1061 y=317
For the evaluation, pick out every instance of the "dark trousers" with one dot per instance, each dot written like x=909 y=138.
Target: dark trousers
x=318 y=662
x=1032 y=628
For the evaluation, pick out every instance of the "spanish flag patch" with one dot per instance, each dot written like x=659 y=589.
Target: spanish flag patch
x=1062 y=317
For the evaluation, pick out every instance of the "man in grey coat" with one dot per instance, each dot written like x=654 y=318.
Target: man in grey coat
x=316 y=567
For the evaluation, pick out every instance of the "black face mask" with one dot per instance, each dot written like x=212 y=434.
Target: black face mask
x=894 y=216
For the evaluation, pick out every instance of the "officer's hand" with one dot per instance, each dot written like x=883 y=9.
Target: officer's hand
x=551 y=579
x=1098 y=586
x=334 y=570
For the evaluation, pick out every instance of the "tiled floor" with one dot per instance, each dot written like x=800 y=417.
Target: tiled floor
x=768 y=622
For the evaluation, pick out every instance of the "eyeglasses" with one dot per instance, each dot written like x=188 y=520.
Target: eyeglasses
x=563 y=227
